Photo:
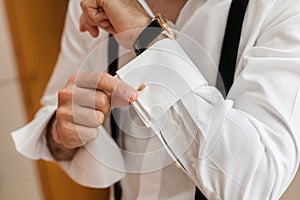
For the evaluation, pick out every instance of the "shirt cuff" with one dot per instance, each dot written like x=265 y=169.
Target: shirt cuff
x=169 y=75
x=30 y=140
x=91 y=166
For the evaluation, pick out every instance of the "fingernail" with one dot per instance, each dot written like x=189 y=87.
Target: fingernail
x=134 y=96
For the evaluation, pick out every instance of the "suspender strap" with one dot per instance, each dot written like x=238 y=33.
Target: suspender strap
x=113 y=54
x=229 y=53
x=230 y=46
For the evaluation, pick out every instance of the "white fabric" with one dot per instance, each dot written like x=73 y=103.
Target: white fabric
x=244 y=147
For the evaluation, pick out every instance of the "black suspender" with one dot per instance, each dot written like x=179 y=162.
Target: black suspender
x=231 y=44
x=229 y=53
x=113 y=62
x=227 y=65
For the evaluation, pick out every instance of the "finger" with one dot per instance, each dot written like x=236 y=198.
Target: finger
x=81 y=115
x=123 y=95
x=117 y=102
x=91 y=21
x=73 y=135
x=108 y=83
x=104 y=24
x=84 y=26
x=88 y=117
x=93 y=30
x=93 y=99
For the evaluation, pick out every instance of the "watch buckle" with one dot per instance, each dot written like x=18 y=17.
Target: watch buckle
x=167 y=30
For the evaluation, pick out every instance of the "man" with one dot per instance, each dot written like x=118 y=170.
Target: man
x=242 y=147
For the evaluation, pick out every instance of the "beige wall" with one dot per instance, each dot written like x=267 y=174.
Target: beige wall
x=18 y=178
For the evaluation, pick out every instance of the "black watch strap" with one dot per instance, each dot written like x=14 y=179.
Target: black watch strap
x=147 y=36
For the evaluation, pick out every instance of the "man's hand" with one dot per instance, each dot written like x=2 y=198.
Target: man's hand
x=114 y=16
x=83 y=105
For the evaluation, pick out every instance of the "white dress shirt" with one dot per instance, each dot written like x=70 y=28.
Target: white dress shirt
x=243 y=147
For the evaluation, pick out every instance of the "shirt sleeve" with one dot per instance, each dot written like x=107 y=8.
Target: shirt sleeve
x=30 y=141
x=242 y=147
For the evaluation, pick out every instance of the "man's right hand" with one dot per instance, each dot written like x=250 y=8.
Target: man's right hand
x=83 y=105
x=115 y=16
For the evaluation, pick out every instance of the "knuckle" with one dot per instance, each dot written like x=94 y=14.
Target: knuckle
x=64 y=95
x=101 y=78
x=103 y=100
x=103 y=75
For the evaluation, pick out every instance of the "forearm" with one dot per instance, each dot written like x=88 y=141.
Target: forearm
x=244 y=144
x=58 y=151
x=235 y=151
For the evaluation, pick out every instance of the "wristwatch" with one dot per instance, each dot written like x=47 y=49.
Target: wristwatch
x=158 y=26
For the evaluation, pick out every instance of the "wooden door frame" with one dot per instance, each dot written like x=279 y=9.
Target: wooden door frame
x=26 y=19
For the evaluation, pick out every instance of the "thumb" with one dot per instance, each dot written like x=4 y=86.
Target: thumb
x=122 y=95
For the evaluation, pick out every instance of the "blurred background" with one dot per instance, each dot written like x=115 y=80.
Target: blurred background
x=29 y=45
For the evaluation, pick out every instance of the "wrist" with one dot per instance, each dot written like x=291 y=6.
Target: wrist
x=159 y=28
x=144 y=22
